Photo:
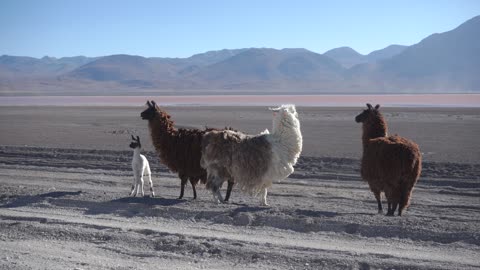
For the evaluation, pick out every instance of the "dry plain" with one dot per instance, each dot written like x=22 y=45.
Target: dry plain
x=65 y=176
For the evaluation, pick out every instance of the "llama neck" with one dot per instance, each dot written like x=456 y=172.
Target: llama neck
x=136 y=153
x=161 y=127
x=288 y=134
x=162 y=131
x=375 y=127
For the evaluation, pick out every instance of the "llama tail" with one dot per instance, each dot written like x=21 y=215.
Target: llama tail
x=406 y=191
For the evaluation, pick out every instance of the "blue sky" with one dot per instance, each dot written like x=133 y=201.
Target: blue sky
x=181 y=28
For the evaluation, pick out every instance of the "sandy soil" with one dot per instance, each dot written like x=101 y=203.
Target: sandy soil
x=65 y=176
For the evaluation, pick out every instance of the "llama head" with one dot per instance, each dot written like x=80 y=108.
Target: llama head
x=135 y=143
x=158 y=117
x=285 y=115
x=151 y=111
x=367 y=113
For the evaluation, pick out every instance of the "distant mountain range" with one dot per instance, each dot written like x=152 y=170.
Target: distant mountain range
x=348 y=57
x=445 y=62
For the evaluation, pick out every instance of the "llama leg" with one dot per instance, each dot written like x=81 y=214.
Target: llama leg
x=394 y=207
x=389 y=211
x=264 y=197
x=134 y=184
x=379 y=201
x=404 y=199
x=229 y=189
x=182 y=186
x=192 y=182
x=133 y=188
x=151 y=185
x=401 y=204
x=217 y=196
x=393 y=196
x=214 y=182
x=135 y=192
x=141 y=186
x=390 y=199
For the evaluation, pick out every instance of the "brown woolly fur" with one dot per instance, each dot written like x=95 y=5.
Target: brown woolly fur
x=239 y=154
x=178 y=149
x=390 y=164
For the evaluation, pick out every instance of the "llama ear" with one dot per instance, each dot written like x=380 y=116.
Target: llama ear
x=133 y=138
x=154 y=104
x=369 y=106
x=138 y=139
x=377 y=107
x=149 y=104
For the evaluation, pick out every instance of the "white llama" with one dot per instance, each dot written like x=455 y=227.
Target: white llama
x=254 y=162
x=140 y=167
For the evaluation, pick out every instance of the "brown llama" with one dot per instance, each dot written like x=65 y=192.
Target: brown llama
x=178 y=149
x=390 y=164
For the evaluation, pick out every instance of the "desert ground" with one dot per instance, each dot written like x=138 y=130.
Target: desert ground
x=65 y=177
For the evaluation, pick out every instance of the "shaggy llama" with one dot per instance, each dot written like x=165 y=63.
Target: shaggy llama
x=390 y=164
x=140 y=167
x=253 y=161
x=178 y=149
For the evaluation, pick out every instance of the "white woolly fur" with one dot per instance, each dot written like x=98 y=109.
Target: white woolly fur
x=140 y=167
x=286 y=141
x=285 y=146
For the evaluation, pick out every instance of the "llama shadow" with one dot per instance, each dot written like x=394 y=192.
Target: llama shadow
x=59 y=194
x=25 y=200
x=248 y=209
x=127 y=206
x=312 y=213
x=151 y=201
x=372 y=213
x=131 y=206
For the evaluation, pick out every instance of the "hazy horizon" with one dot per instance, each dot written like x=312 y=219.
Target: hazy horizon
x=329 y=100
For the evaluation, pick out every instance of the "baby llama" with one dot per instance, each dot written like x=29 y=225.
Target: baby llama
x=140 y=168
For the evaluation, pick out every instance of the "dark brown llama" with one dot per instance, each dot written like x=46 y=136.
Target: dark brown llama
x=178 y=149
x=390 y=164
